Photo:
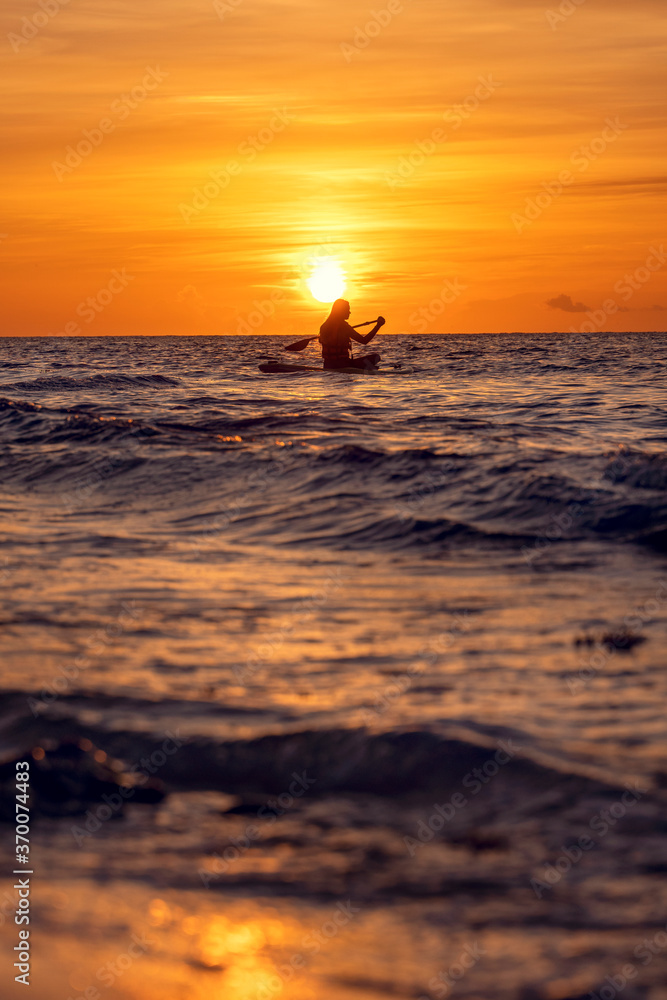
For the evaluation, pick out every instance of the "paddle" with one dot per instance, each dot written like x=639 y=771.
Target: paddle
x=302 y=344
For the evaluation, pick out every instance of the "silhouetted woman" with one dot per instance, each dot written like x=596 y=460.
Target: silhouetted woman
x=336 y=334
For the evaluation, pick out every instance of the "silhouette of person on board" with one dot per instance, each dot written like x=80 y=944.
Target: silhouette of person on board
x=336 y=334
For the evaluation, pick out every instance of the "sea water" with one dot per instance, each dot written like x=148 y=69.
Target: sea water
x=388 y=648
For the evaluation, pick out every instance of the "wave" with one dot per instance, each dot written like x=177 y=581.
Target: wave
x=28 y=423
x=446 y=818
x=224 y=462
x=58 y=383
x=342 y=496
x=638 y=469
x=396 y=763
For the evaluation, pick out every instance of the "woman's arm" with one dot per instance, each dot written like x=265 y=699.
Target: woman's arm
x=369 y=336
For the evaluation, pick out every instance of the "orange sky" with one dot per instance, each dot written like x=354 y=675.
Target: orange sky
x=320 y=132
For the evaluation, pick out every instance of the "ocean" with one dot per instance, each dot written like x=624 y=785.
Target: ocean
x=337 y=686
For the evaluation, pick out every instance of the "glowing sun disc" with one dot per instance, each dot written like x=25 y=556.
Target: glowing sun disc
x=327 y=281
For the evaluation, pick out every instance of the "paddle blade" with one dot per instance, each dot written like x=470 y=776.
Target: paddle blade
x=300 y=344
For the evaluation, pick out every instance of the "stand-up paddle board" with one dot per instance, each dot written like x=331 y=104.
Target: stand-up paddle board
x=282 y=368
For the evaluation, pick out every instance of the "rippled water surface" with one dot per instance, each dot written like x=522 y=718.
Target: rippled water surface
x=374 y=578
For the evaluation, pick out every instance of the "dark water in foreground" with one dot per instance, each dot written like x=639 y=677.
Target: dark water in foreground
x=378 y=661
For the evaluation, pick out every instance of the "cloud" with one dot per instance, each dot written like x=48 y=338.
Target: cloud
x=565 y=303
x=193 y=299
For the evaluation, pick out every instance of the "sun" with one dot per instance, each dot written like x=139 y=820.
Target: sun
x=327 y=279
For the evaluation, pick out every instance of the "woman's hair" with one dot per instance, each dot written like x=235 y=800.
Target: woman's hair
x=337 y=314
